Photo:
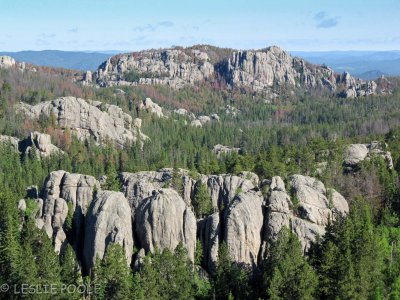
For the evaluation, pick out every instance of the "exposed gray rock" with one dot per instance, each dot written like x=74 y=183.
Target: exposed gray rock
x=7 y=62
x=9 y=139
x=215 y=117
x=356 y=153
x=184 y=112
x=163 y=221
x=173 y=67
x=306 y=211
x=108 y=221
x=209 y=232
x=261 y=71
x=42 y=143
x=243 y=222
x=87 y=77
x=196 y=123
x=151 y=107
x=62 y=192
x=88 y=119
x=278 y=184
x=221 y=150
x=159 y=217
x=141 y=185
x=204 y=119
x=22 y=205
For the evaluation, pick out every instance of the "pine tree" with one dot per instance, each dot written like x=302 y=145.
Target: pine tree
x=114 y=275
x=70 y=271
x=112 y=183
x=202 y=202
x=10 y=248
x=287 y=275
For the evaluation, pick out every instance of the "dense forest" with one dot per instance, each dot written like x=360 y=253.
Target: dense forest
x=357 y=258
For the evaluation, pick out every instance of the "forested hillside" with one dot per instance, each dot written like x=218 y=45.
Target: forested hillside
x=303 y=203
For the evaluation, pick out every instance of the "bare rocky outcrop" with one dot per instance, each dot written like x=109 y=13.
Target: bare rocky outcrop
x=221 y=150
x=184 y=112
x=262 y=71
x=151 y=107
x=209 y=232
x=306 y=209
x=163 y=221
x=88 y=119
x=42 y=144
x=151 y=214
x=356 y=153
x=173 y=67
x=65 y=194
x=243 y=224
x=7 y=62
x=108 y=221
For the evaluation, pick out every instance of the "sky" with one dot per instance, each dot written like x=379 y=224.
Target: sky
x=99 y=25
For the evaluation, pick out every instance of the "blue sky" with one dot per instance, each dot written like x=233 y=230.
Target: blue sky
x=316 y=25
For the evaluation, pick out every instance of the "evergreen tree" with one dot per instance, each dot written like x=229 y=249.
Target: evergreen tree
x=10 y=248
x=202 y=202
x=287 y=275
x=70 y=271
x=112 y=183
x=113 y=274
x=230 y=278
x=350 y=258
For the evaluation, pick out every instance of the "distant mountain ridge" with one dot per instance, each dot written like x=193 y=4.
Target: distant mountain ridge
x=76 y=60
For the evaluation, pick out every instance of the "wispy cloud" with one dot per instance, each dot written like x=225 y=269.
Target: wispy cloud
x=73 y=30
x=42 y=42
x=47 y=36
x=325 y=21
x=154 y=27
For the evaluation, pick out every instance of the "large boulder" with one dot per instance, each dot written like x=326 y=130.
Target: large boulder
x=108 y=221
x=163 y=221
x=65 y=194
x=88 y=119
x=151 y=107
x=7 y=62
x=306 y=209
x=243 y=224
x=354 y=154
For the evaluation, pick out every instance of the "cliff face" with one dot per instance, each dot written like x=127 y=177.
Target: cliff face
x=171 y=67
x=88 y=119
x=262 y=71
x=148 y=215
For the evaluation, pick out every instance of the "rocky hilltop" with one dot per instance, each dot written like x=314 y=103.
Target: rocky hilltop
x=150 y=214
x=266 y=71
x=88 y=119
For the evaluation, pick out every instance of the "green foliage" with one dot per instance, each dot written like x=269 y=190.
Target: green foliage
x=198 y=256
x=349 y=260
x=202 y=202
x=168 y=275
x=230 y=278
x=113 y=274
x=287 y=275
x=112 y=183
